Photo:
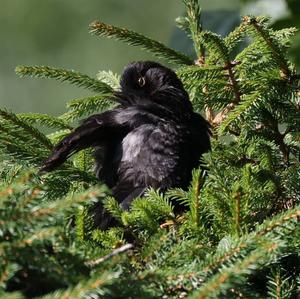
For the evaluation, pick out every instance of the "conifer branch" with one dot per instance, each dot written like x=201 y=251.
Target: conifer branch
x=195 y=76
x=197 y=201
x=211 y=250
x=245 y=104
x=115 y=252
x=218 y=119
x=45 y=119
x=13 y=120
x=237 y=198
x=272 y=44
x=193 y=17
x=86 y=106
x=279 y=286
x=221 y=281
x=198 y=178
x=262 y=230
x=277 y=136
x=113 y=80
x=232 y=80
x=85 y=288
x=69 y=201
x=235 y=36
x=64 y=75
x=183 y=24
x=281 y=221
x=219 y=50
x=216 y=46
x=137 y=39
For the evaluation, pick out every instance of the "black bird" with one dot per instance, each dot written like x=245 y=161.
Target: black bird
x=153 y=138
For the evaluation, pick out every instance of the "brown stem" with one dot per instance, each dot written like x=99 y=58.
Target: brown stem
x=235 y=88
x=201 y=59
x=117 y=251
x=233 y=83
x=210 y=115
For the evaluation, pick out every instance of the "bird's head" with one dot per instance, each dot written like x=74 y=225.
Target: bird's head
x=146 y=81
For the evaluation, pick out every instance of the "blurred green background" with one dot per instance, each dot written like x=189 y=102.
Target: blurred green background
x=55 y=33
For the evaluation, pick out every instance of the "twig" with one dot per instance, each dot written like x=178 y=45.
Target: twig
x=117 y=251
x=233 y=82
x=216 y=119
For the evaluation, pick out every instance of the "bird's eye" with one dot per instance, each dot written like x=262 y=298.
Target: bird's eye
x=141 y=81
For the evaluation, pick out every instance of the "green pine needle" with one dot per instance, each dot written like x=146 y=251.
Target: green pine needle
x=64 y=75
x=45 y=120
x=87 y=106
x=137 y=39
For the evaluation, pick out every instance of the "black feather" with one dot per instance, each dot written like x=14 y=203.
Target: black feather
x=153 y=138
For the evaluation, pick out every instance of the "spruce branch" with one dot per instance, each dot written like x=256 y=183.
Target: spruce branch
x=64 y=75
x=113 y=207
x=233 y=81
x=236 y=111
x=183 y=24
x=86 y=106
x=38 y=236
x=197 y=77
x=137 y=39
x=215 y=44
x=195 y=28
x=272 y=44
x=85 y=288
x=280 y=221
x=45 y=119
x=84 y=160
x=13 y=120
x=271 y=227
x=277 y=136
x=221 y=282
x=219 y=51
x=235 y=37
x=197 y=200
x=237 y=215
x=68 y=202
x=115 y=252
x=56 y=136
x=279 y=286
x=193 y=200
x=233 y=84
x=111 y=79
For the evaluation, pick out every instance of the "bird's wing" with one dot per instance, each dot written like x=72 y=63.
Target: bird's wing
x=93 y=131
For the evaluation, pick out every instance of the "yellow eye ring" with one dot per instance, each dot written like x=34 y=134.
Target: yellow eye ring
x=141 y=81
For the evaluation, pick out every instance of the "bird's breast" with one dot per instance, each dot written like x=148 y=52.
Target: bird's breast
x=132 y=144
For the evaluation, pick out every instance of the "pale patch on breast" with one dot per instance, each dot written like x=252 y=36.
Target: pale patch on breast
x=132 y=145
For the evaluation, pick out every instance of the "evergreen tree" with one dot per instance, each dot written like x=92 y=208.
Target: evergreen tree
x=240 y=237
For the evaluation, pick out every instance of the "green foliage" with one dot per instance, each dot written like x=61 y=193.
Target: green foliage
x=194 y=26
x=63 y=75
x=137 y=39
x=45 y=120
x=82 y=107
x=239 y=236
